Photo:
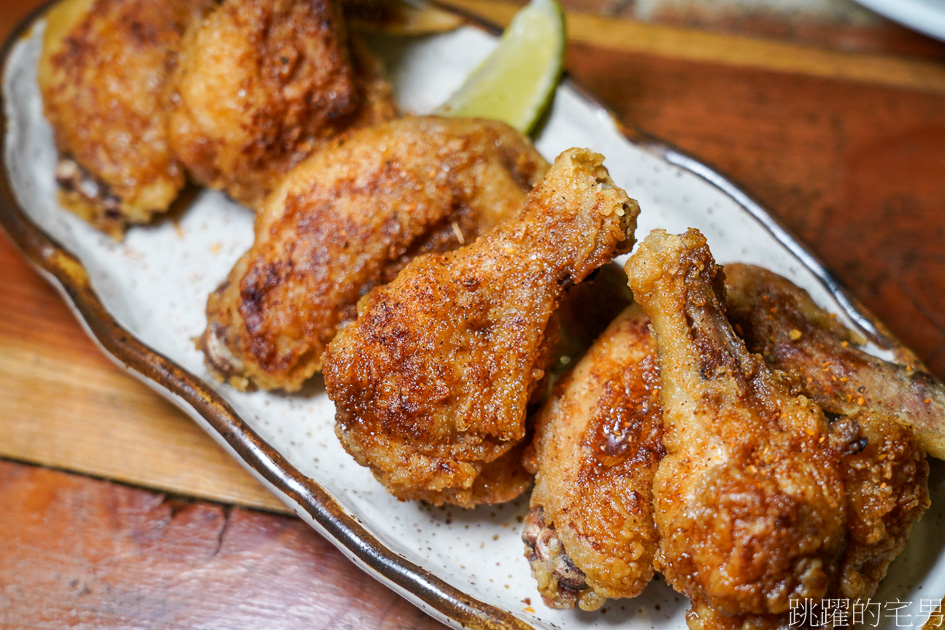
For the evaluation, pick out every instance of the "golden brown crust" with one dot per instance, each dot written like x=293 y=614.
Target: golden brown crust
x=790 y=330
x=263 y=83
x=432 y=382
x=884 y=467
x=347 y=220
x=102 y=74
x=936 y=618
x=878 y=460
x=599 y=441
x=885 y=478
x=887 y=491
x=749 y=500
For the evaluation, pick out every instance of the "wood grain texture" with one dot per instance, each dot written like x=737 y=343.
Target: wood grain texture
x=855 y=170
x=833 y=24
x=852 y=159
x=836 y=24
x=741 y=52
x=78 y=552
x=66 y=405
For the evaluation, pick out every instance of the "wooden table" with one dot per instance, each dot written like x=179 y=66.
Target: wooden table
x=116 y=511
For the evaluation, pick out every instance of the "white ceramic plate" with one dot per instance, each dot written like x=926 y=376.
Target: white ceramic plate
x=926 y=16
x=143 y=301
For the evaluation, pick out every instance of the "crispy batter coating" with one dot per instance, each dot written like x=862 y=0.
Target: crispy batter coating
x=886 y=477
x=936 y=620
x=749 y=500
x=348 y=219
x=102 y=74
x=598 y=442
x=880 y=461
x=260 y=85
x=432 y=382
x=885 y=471
x=847 y=379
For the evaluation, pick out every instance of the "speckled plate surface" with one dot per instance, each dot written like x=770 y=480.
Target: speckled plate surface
x=143 y=301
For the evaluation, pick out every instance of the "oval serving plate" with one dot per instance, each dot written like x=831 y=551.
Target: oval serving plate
x=143 y=301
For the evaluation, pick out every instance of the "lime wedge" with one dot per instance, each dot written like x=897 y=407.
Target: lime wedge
x=516 y=83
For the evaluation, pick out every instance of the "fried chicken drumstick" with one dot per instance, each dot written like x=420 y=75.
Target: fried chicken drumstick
x=877 y=458
x=261 y=84
x=590 y=534
x=236 y=93
x=432 y=382
x=749 y=500
x=347 y=220
x=102 y=73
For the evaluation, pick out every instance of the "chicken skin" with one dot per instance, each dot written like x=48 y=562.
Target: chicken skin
x=879 y=460
x=842 y=378
x=884 y=467
x=260 y=85
x=348 y=219
x=749 y=500
x=432 y=381
x=590 y=533
x=102 y=74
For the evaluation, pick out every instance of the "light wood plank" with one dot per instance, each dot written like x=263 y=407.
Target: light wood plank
x=103 y=423
x=65 y=405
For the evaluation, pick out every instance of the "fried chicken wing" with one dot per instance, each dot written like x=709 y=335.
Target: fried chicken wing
x=102 y=74
x=884 y=467
x=840 y=377
x=432 y=381
x=749 y=501
x=590 y=533
x=348 y=219
x=260 y=85
x=882 y=464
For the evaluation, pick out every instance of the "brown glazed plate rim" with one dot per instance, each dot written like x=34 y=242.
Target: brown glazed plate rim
x=443 y=601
